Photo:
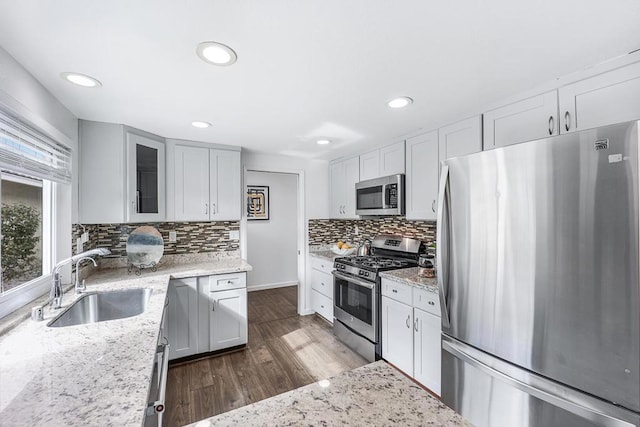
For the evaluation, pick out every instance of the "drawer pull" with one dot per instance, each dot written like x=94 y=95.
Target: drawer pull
x=395 y=291
x=321 y=306
x=322 y=283
x=432 y=303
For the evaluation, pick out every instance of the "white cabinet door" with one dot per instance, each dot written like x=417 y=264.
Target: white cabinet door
x=397 y=334
x=182 y=317
x=145 y=179
x=526 y=120
x=322 y=305
x=191 y=177
x=392 y=159
x=224 y=186
x=460 y=138
x=427 y=350
x=351 y=178
x=422 y=176
x=605 y=99
x=336 y=187
x=228 y=326
x=370 y=165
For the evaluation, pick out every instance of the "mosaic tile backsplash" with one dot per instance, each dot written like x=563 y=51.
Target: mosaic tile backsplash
x=192 y=237
x=329 y=231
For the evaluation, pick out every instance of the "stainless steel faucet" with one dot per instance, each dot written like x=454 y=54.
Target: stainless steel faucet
x=55 y=295
x=80 y=286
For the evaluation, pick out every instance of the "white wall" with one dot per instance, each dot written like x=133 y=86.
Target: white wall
x=272 y=246
x=22 y=95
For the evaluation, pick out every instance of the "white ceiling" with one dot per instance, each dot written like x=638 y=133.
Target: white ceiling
x=307 y=69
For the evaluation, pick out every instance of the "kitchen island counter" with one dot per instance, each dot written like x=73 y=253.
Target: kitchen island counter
x=375 y=394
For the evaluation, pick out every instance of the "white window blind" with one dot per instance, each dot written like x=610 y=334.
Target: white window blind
x=25 y=150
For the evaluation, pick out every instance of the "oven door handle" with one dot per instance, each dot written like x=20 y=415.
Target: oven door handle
x=355 y=280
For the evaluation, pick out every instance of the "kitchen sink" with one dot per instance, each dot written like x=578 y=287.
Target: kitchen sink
x=103 y=306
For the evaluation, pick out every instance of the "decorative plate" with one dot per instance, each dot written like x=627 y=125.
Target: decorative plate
x=145 y=246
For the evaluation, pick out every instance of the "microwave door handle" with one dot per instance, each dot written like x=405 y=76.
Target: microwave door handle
x=353 y=280
x=385 y=205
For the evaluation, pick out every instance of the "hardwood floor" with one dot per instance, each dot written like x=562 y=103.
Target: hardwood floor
x=285 y=351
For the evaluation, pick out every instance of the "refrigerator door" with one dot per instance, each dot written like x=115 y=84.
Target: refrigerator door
x=490 y=392
x=538 y=254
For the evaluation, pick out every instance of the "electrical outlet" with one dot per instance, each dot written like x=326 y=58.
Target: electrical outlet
x=173 y=237
x=85 y=237
x=234 y=235
x=79 y=245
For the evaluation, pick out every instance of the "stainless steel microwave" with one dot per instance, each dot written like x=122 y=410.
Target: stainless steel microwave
x=380 y=196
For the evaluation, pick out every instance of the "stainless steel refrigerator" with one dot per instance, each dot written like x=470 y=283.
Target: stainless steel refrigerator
x=538 y=247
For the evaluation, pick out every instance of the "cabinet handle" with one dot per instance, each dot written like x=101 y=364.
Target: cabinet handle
x=567 y=121
x=213 y=306
x=322 y=283
x=433 y=206
x=551 y=125
x=432 y=303
x=206 y=208
x=213 y=208
x=408 y=321
x=395 y=291
x=415 y=324
x=229 y=281
x=321 y=306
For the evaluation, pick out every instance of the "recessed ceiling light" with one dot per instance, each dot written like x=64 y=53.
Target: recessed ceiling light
x=400 y=102
x=216 y=53
x=201 y=125
x=323 y=142
x=81 y=79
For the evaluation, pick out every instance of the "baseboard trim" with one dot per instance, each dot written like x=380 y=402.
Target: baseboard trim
x=270 y=286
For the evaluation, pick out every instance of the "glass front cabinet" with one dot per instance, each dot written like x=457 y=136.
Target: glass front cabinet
x=145 y=178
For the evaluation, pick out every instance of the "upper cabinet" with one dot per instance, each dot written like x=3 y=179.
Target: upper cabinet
x=605 y=99
x=460 y=138
x=343 y=176
x=145 y=178
x=385 y=161
x=206 y=184
x=121 y=174
x=525 y=120
x=422 y=176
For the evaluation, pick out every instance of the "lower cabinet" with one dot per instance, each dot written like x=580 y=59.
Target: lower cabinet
x=397 y=334
x=228 y=326
x=411 y=332
x=322 y=287
x=206 y=313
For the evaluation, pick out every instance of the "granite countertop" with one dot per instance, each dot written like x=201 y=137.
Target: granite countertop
x=93 y=374
x=375 y=394
x=326 y=254
x=411 y=277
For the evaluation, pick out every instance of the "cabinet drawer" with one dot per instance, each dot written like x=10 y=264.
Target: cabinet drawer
x=321 y=264
x=225 y=282
x=427 y=301
x=397 y=291
x=322 y=305
x=322 y=282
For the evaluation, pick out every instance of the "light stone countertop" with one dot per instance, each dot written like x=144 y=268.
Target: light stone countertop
x=373 y=395
x=324 y=254
x=94 y=374
x=411 y=277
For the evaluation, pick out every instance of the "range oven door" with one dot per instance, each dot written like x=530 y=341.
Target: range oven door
x=354 y=302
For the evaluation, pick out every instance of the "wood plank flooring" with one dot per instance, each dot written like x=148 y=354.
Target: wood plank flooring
x=285 y=351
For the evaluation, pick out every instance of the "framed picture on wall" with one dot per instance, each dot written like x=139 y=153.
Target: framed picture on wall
x=257 y=202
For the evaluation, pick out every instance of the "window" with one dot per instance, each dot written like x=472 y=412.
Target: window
x=25 y=213
x=35 y=172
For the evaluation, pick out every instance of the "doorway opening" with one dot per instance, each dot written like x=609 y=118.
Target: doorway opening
x=272 y=212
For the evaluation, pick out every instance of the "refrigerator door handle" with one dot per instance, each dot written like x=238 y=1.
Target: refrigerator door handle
x=589 y=408
x=442 y=228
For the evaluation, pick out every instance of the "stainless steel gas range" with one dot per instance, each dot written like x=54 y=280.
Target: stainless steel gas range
x=356 y=291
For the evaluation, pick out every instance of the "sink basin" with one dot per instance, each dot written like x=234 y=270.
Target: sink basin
x=103 y=306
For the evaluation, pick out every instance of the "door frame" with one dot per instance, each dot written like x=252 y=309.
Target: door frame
x=304 y=306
